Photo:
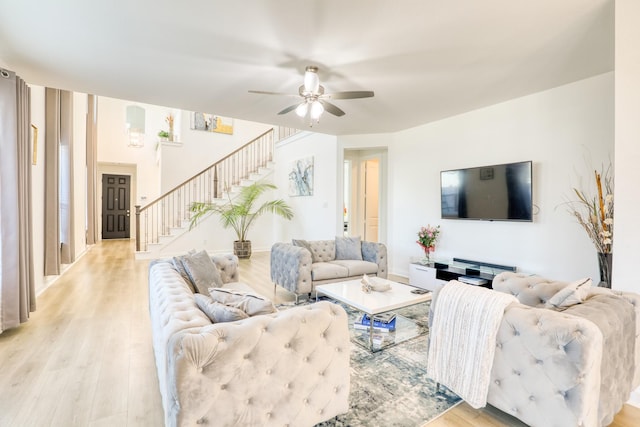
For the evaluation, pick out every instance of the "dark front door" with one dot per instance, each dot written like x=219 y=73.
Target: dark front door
x=115 y=206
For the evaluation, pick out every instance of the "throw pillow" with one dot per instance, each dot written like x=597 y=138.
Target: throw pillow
x=307 y=246
x=572 y=294
x=202 y=271
x=251 y=304
x=348 y=248
x=219 y=312
x=179 y=266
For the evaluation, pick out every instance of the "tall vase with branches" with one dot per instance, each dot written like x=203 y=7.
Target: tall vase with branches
x=240 y=212
x=594 y=212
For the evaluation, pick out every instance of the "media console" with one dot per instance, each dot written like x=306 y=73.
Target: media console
x=479 y=273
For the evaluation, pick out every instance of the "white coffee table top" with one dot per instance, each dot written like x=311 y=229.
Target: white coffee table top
x=351 y=293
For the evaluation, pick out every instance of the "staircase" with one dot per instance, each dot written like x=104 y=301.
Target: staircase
x=167 y=217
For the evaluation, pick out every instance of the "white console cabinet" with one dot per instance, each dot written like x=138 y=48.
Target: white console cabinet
x=423 y=276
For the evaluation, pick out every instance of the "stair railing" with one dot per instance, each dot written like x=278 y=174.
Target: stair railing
x=171 y=210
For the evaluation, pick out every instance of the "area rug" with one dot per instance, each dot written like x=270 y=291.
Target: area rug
x=390 y=387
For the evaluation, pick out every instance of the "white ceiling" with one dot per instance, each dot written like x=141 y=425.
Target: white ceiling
x=424 y=59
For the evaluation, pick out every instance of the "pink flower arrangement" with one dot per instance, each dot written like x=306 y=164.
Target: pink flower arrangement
x=427 y=237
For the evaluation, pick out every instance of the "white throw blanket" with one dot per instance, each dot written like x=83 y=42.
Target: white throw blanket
x=462 y=340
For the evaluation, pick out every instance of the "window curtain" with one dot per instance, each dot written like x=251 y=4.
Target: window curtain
x=65 y=161
x=92 y=174
x=17 y=287
x=52 y=186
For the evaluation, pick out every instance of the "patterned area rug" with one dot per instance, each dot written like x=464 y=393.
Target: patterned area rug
x=390 y=387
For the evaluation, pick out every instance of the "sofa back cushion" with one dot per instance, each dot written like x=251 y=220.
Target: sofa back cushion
x=321 y=250
x=530 y=290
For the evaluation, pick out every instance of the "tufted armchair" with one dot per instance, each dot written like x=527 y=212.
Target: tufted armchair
x=287 y=368
x=574 y=366
x=299 y=268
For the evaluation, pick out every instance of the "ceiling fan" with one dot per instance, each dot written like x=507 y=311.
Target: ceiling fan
x=314 y=100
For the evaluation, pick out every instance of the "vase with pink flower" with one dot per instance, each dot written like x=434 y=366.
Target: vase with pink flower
x=427 y=237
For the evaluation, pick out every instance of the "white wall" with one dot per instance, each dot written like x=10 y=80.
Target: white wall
x=626 y=251
x=113 y=145
x=199 y=149
x=315 y=216
x=555 y=129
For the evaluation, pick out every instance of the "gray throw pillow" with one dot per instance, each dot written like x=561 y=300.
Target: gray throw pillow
x=572 y=294
x=348 y=248
x=179 y=266
x=252 y=304
x=219 y=312
x=202 y=271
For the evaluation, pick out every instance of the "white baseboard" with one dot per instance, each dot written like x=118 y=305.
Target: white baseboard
x=51 y=280
x=635 y=398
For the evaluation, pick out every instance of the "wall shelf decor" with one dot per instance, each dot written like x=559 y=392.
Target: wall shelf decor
x=211 y=123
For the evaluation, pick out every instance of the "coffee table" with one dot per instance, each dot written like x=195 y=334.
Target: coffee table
x=399 y=296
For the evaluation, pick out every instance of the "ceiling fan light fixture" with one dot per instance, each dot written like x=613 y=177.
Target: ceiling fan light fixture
x=316 y=110
x=311 y=80
x=301 y=110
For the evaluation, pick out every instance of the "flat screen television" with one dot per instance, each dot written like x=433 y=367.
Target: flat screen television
x=492 y=193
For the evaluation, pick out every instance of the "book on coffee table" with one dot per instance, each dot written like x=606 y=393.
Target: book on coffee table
x=381 y=323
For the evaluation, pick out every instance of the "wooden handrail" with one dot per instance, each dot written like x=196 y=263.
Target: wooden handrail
x=205 y=170
x=172 y=208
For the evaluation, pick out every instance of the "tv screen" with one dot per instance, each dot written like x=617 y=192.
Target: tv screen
x=494 y=193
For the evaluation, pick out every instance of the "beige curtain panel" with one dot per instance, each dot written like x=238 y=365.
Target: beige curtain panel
x=92 y=169
x=52 y=183
x=17 y=289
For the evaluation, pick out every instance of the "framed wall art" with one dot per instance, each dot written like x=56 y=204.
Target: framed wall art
x=301 y=177
x=211 y=123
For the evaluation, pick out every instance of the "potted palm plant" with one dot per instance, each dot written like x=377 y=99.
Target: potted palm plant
x=240 y=212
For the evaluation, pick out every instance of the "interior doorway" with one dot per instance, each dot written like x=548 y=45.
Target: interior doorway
x=371 y=196
x=116 y=211
x=364 y=194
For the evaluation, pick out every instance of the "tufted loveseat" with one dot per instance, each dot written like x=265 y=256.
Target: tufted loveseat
x=300 y=268
x=286 y=368
x=573 y=366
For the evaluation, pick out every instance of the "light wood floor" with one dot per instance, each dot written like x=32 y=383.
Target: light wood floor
x=85 y=356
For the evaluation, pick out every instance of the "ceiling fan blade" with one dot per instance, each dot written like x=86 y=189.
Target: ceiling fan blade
x=353 y=94
x=264 y=92
x=330 y=108
x=289 y=108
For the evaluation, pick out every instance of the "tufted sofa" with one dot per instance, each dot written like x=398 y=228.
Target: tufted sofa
x=574 y=366
x=287 y=368
x=296 y=269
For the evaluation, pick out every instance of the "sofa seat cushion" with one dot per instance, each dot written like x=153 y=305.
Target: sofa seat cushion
x=239 y=286
x=357 y=268
x=328 y=271
x=322 y=250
